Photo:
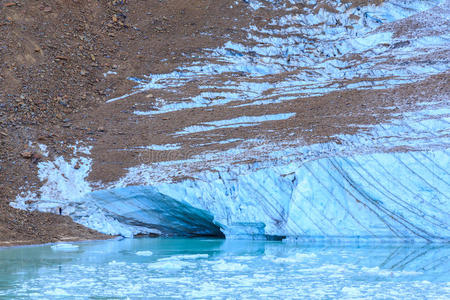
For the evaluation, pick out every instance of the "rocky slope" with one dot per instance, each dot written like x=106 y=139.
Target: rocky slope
x=54 y=56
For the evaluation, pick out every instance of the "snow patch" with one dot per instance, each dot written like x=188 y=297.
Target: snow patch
x=234 y=123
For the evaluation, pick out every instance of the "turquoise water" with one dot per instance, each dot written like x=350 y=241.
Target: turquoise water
x=224 y=269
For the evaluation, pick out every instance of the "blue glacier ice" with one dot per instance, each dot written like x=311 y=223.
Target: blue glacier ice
x=146 y=207
x=382 y=196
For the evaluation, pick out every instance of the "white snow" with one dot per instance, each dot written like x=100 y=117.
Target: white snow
x=43 y=149
x=165 y=147
x=234 y=123
x=106 y=74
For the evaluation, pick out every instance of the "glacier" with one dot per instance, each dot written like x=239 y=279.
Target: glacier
x=383 y=196
x=402 y=196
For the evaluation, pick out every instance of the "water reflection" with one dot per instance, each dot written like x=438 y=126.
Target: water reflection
x=101 y=265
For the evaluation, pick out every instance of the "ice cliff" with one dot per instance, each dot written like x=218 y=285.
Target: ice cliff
x=387 y=195
x=403 y=196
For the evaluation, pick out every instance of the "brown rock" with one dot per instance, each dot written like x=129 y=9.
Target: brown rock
x=26 y=154
x=60 y=57
x=35 y=157
x=10 y=4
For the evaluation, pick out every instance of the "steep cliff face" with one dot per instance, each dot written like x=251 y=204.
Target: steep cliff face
x=393 y=195
x=383 y=195
x=319 y=120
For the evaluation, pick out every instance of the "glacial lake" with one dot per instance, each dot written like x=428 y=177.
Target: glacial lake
x=155 y=268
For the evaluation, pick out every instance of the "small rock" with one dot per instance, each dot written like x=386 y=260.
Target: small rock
x=59 y=57
x=101 y=129
x=10 y=4
x=149 y=96
x=83 y=72
x=26 y=154
x=35 y=157
x=77 y=166
x=47 y=9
